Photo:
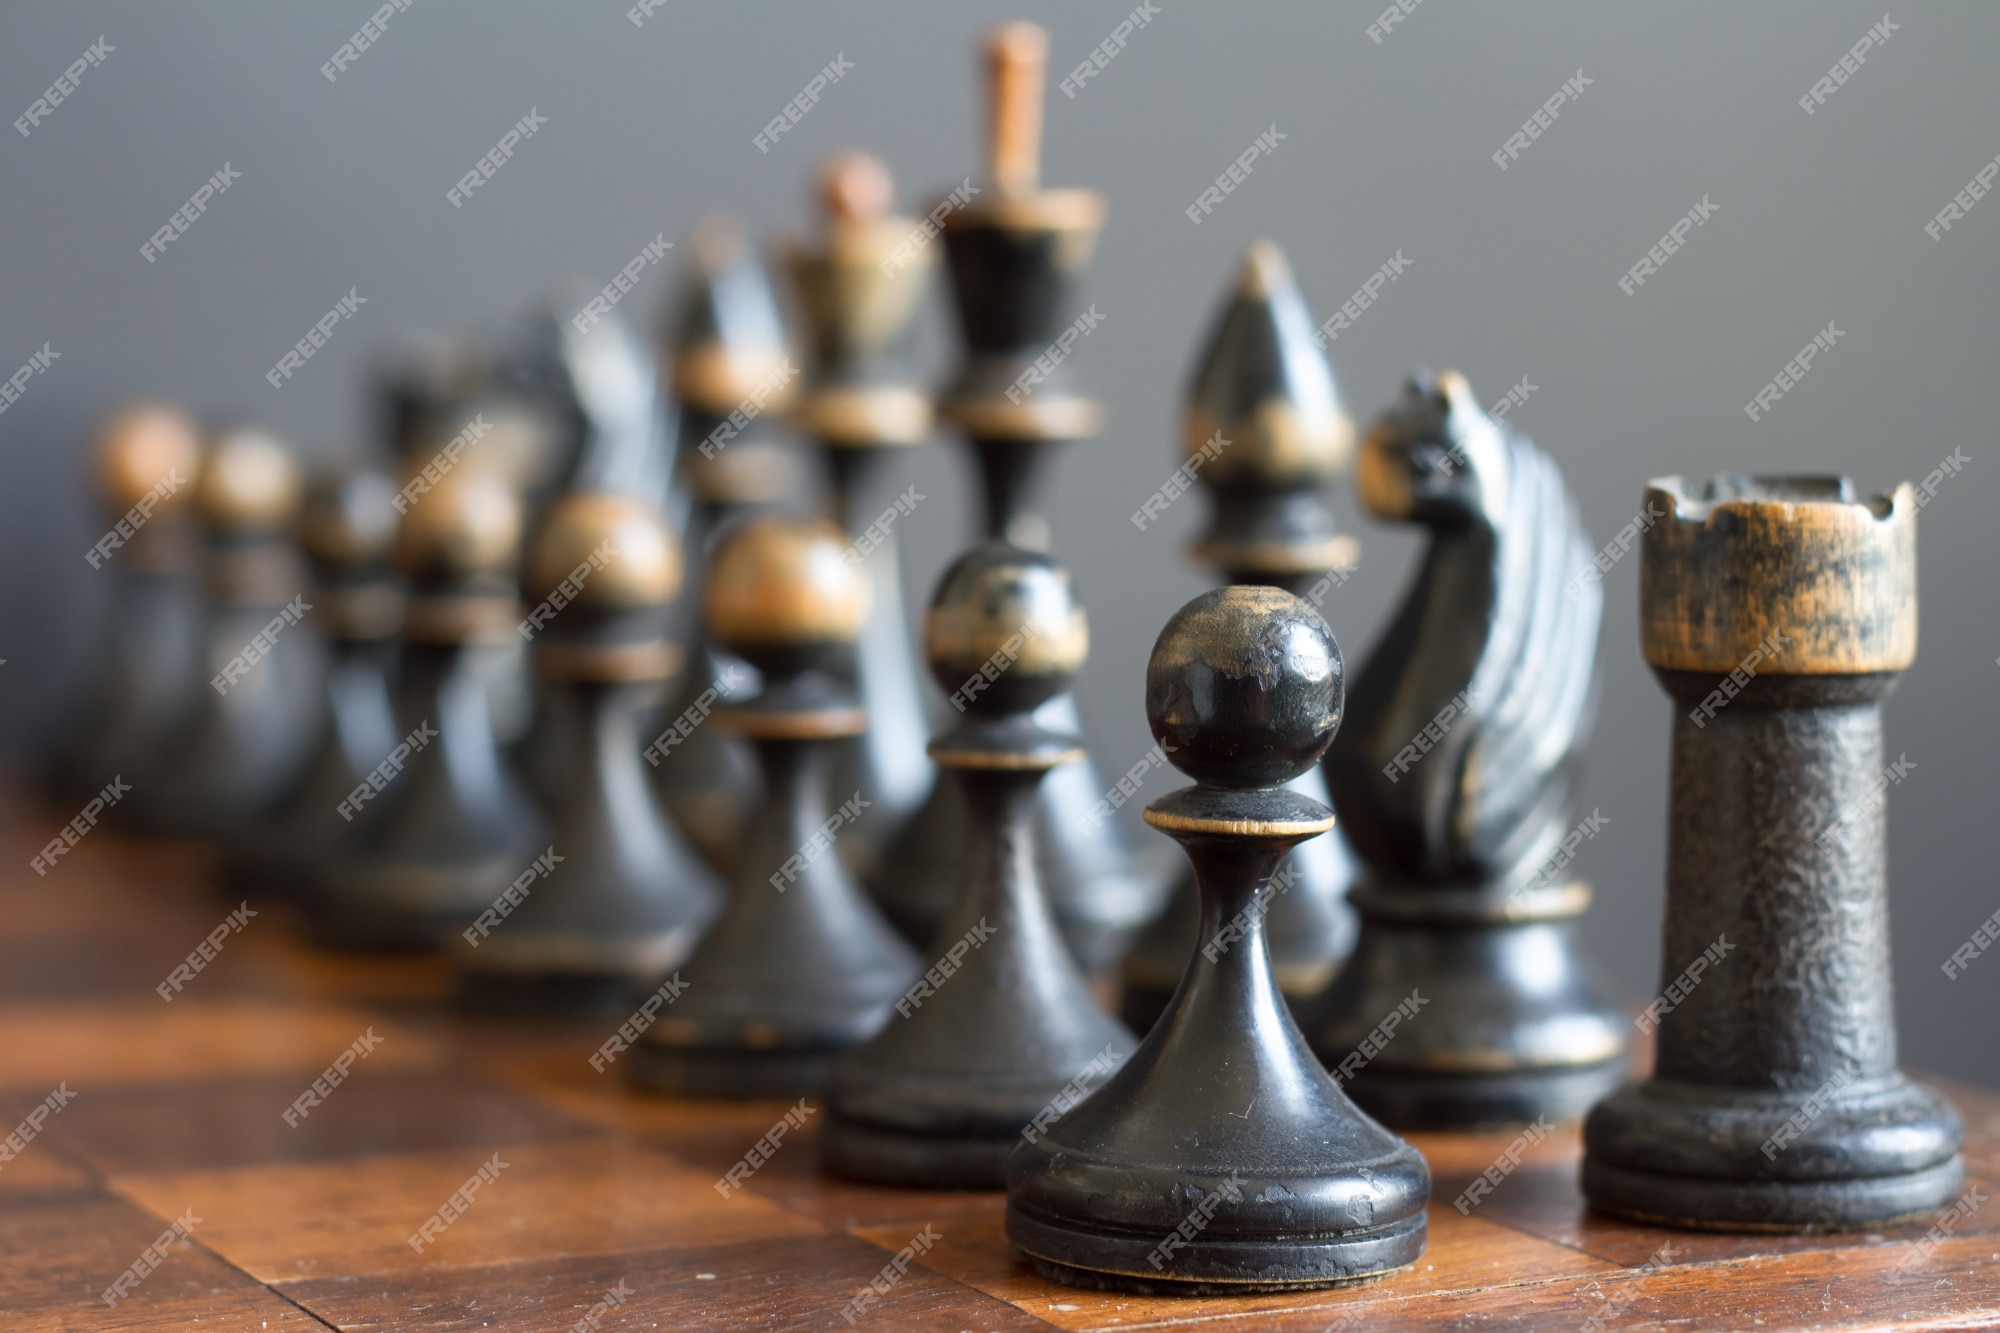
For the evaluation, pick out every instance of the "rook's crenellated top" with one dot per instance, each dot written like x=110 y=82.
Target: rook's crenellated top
x=1722 y=569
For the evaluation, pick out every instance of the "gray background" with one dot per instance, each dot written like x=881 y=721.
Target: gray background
x=1388 y=146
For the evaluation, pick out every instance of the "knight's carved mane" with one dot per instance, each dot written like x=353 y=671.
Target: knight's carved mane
x=1493 y=649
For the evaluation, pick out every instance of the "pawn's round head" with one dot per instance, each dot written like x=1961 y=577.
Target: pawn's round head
x=615 y=550
x=783 y=594
x=349 y=519
x=465 y=530
x=1005 y=631
x=147 y=449
x=1244 y=687
x=249 y=483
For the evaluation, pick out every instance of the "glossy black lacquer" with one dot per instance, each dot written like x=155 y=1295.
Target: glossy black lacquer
x=955 y=1079
x=1265 y=435
x=1457 y=773
x=800 y=966
x=1223 y=1131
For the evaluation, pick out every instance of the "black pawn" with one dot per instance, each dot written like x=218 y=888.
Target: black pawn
x=800 y=967
x=246 y=745
x=1015 y=254
x=860 y=287
x=347 y=529
x=628 y=898
x=957 y=1078
x=1265 y=433
x=1457 y=774
x=733 y=378
x=148 y=457
x=456 y=827
x=1223 y=1117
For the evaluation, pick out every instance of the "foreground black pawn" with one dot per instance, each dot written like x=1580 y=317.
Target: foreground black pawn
x=732 y=378
x=456 y=827
x=1223 y=1158
x=247 y=741
x=860 y=287
x=1775 y=1103
x=956 y=1079
x=1015 y=254
x=1457 y=774
x=1265 y=433
x=800 y=967
x=629 y=897
x=147 y=460
x=347 y=530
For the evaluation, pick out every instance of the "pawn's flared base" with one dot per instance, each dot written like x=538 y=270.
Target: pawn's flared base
x=1080 y=1254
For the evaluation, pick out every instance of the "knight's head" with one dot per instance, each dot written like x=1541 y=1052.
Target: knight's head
x=1431 y=457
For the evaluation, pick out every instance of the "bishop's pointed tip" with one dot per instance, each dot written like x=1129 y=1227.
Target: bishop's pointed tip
x=1265 y=273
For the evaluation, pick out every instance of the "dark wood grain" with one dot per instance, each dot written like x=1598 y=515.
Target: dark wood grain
x=177 y=1107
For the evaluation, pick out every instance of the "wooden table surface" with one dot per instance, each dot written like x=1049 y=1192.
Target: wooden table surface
x=607 y=1199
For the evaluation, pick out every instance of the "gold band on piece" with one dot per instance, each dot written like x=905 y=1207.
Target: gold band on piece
x=818 y=724
x=608 y=663
x=1239 y=828
x=1000 y=762
x=1335 y=553
x=719 y=379
x=885 y=415
x=1029 y=419
x=1046 y=210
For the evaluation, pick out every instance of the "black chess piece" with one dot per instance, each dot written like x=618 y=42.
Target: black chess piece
x=1457 y=772
x=247 y=742
x=629 y=897
x=1778 y=612
x=591 y=380
x=148 y=456
x=347 y=529
x=955 y=1080
x=733 y=377
x=1265 y=432
x=860 y=287
x=800 y=966
x=1223 y=1158
x=457 y=827
x=1015 y=253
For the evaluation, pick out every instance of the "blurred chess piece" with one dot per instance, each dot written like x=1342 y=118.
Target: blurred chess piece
x=1265 y=432
x=628 y=897
x=148 y=458
x=457 y=827
x=940 y=1097
x=1457 y=772
x=348 y=530
x=800 y=967
x=733 y=377
x=1775 y=1102
x=1223 y=1114
x=246 y=744
x=1015 y=254
x=860 y=286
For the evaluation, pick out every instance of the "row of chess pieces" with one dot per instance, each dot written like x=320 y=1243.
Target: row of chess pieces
x=471 y=725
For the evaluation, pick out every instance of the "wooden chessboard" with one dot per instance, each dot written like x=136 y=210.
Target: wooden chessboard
x=178 y=1106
